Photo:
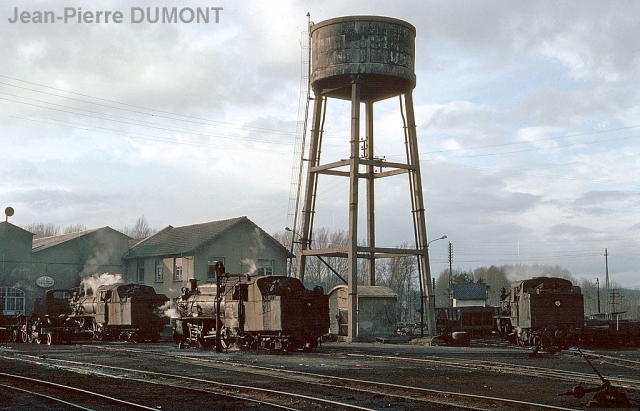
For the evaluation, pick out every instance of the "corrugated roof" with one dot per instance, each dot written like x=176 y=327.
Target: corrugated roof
x=470 y=291
x=46 y=242
x=183 y=240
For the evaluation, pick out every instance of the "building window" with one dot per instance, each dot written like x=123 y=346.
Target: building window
x=265 y=267
x=177 y=269
x=159 y=271
x=13 y=300
x=211 y=269
x=140 y=271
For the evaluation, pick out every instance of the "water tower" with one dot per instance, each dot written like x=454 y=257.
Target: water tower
x=364 y=59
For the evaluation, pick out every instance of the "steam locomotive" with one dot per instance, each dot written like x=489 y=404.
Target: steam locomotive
x=544 y=312
x=271 y=312
x=126 y=312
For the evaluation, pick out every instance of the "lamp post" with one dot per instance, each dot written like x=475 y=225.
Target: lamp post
x=293 y=241
x=422 y=296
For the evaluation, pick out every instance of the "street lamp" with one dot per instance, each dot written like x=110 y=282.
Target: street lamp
x=422 y=296
x=441 y=238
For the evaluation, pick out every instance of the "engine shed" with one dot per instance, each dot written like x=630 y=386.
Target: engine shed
x=376 y=313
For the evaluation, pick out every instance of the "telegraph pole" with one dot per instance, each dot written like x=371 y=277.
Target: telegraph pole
x=450 y=274
x=598 y=285
x=606 y=265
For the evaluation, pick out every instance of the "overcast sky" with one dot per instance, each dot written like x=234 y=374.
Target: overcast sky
x=527 y=111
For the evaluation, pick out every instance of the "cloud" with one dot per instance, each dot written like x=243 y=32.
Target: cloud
x=526 y=112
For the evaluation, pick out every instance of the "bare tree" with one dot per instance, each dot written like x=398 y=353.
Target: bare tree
x=496 y=278
x=42 y=230
x=140 y=230
x=398 y=273
x=75 y=228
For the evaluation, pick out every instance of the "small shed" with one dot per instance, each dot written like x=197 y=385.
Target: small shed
x=376 y=312
x=470 y=295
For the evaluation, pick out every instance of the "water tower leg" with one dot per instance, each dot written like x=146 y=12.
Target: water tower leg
x=371 y=220
x=311 y=186
x=420 y=219
x=352 y=241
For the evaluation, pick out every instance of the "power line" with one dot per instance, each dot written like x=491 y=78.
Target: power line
x=125 y=120
x=591 y=133
x=140 y=136
x=221 y=123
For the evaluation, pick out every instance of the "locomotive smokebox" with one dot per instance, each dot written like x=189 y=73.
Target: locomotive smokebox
x=380 y=51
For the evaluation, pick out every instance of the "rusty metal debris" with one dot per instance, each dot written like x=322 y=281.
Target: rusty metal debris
x=607 y=396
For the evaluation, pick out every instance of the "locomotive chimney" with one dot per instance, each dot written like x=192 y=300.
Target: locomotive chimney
x=193 y=285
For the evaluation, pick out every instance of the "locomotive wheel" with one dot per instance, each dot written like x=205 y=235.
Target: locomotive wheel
x=310 y=346
x=99 y=332
x=50 y=339
x=25 y=336
x=14 y=335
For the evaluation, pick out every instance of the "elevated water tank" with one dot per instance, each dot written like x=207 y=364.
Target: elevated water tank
x=380 y=50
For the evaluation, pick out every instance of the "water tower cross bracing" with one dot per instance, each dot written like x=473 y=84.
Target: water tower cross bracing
x=364 y=59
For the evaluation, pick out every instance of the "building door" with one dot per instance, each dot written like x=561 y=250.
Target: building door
x=343 y=325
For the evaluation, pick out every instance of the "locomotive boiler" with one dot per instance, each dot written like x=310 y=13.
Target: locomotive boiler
x=543 y=312
x=271 y=312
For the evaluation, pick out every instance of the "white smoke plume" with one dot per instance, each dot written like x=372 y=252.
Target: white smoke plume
x=168 y=310
x=92 y=283
x=252 y=266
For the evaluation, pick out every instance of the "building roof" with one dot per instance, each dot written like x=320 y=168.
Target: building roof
x=43 y=243
x=470 y=291
x=185 y=240
x=5 y=225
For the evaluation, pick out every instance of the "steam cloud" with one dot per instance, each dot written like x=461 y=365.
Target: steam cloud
x=168 y=310
x=252 y=266
x=92 y=283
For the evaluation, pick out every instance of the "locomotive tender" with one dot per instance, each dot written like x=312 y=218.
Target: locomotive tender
x=272 y=312
x=544 y=312
x=126 y=312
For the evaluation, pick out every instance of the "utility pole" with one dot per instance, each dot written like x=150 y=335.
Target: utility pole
x=606 y=264
x=450 y=274
x=598 y=285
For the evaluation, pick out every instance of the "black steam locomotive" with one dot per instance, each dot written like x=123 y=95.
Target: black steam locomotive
x=543 y=312
x=271 y=312
x=126 y=312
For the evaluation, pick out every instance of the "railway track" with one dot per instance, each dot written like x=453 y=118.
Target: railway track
x=507 y=368
x=263 y=397
x=63 y=395
x=275 y=385
x=372 y=394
